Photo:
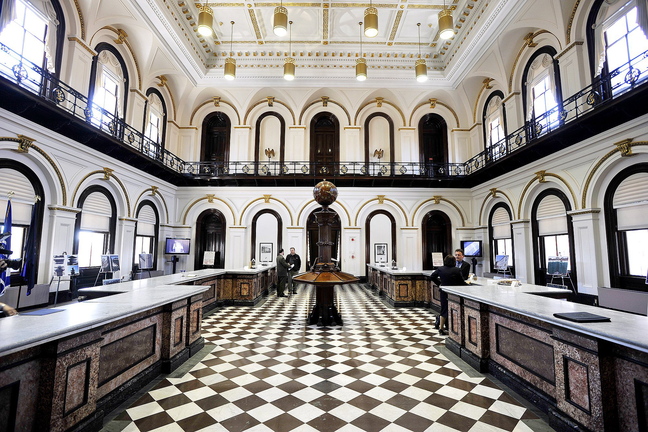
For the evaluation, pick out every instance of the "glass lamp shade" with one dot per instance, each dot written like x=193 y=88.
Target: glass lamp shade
x=205 y=21
x=361 y=69
x=230 y=68
x=289 y=69
x=371 y=22
x=421 y=70
x=446 y=30
x=280 y=25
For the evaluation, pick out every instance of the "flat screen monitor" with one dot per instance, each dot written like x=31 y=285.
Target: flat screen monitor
x=472 y=248
x=177 y=246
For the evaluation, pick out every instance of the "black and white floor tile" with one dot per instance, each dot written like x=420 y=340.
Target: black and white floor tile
x=268 y=371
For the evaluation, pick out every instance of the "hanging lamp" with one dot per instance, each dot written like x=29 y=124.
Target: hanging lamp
x=289 y=62
x=230 y=62
x=361 y=62
x=371 y=21
x=205 y=20
x=420 y=66
x=280 y=20
x=446 y=25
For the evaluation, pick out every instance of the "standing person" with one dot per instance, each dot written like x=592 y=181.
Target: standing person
x=462 y=265
x=295 y=261
x=282 y=273
x=447 y=275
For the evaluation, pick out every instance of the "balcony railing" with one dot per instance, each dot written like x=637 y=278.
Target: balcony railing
x=42 y=83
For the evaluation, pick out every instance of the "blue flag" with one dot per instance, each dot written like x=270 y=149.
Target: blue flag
x=28 y=271
x=6 y=244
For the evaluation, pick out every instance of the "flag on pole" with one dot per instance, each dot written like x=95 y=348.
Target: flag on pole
x=28 y=271
x=6 y=244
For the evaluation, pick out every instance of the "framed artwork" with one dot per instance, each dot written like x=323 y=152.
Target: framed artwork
x=380 y=252
x=265 y=252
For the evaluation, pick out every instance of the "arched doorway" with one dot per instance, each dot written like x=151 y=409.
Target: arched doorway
x=312 y=237
x=437 y=236
x=433 y=143
x=388 y=234
x=266 y=223
x=325 y=143
x=215 y=138
x=210 y=236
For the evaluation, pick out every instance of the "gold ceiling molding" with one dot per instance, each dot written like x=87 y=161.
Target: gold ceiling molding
x=210 y=198
x=216 y=100
x=83 y=45
x=528 y=43
x=571 y=22
x=433 y=103
x=379 y=102
x=437 y=200
x=65 y=209
x=600 y=162
x=324 y=100
x=541 y=177
x=325 y=24
x=381 y=200
x=155 y=192
x=121 y=218
x=81 y=21
x=270 y=100
x=299 y=214
x=108 y=174
x=582 y=212
x=24 y=144
x=164 y=82
x=266 y=199
x=492 y=194
x=569 y=48
x=394 y=29
x=486 y=85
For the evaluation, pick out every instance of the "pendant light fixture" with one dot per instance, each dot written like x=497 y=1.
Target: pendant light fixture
x=280 y=20
x=371 y=21
x=446 y=26
x=230 y=62
x=289 y=62
x=205 y=21
x=420 y=66
x=361 y=62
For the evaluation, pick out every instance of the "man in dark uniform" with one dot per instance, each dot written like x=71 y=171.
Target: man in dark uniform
x=464 y=266
x=282 y=273
x=295 y=261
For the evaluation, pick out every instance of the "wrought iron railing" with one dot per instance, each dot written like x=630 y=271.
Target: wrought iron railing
x=42 y=83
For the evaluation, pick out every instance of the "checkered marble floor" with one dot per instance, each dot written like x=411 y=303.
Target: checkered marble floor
x=381 y=371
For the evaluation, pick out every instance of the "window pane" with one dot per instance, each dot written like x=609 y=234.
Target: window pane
x=91 y=247
x=637 y=253
x=143 y=244
x=556 y=246
x=17 y=240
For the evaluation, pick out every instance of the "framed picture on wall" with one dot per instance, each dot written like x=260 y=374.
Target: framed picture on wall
x=265 y=252
x=380 y=252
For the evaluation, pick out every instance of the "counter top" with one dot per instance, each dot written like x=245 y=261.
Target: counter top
x=625 y=329
x=400 y=272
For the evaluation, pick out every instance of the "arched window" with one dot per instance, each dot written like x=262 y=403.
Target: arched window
x=433 y=143
x=146 y=231
x=270 y=143
x=379 y=144
x=108 y=84
x=552 y=233
x=325 y=143
x=154 y=123
x=626 y=206
x=616 y=41
x=501 y=234
x=494 y=124
x=542 y=93
x=215 y=138
x=95 y=226
x=267 y=227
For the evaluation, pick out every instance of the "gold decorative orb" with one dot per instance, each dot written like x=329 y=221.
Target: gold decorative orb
x=325 y=193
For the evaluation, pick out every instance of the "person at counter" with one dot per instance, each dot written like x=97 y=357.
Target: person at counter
x=447 y=275
x=282 y=273
x=462 y=265
x=295 y=261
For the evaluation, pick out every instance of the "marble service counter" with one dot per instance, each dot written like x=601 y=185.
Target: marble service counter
x=64 y=371
x=585 y=376
x=403 y=288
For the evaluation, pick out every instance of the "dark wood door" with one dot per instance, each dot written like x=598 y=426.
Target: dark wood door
x=210 y=236
x=433 y=143
x=437 y=236
x=312 y=232
x=325 y=142
x=216 y=137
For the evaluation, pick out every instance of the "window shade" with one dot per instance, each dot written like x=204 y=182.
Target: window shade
x=146 y=221
x=631 y=202
x=22 y=200
x=551 y=216
x=96 y=212
x=501 y=224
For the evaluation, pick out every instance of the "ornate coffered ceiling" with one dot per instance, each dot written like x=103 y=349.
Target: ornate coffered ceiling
x=325 y=39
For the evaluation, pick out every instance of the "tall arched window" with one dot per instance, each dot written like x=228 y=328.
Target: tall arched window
x=325 y=143
x=494 y=124
x=626 y=206
x=552 y=233
x=215 y=138
x=94 y=233
x=542 y=94
x=108 y=85
x=267 y=227
x=154 y=123
x=437 y=236
x=501 y=234
x=433 y=143
x=146 y=231
x=270 y=143
x=379 y=144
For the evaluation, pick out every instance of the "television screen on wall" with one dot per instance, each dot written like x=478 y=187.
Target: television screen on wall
x=472 y=248
x=177 y=246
